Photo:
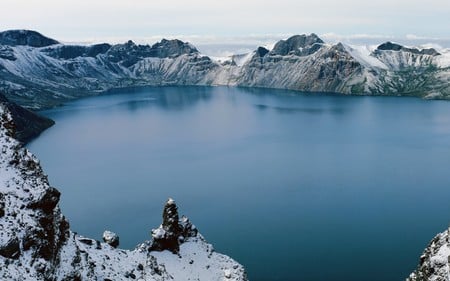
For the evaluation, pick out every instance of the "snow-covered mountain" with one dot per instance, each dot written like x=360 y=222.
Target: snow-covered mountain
x=435 y=261
x=38 y=72
x=36 y=242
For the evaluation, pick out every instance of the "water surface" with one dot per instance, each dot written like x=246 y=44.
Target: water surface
x=293 y=186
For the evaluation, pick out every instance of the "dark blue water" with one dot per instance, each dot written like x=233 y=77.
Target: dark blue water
x=295 y=187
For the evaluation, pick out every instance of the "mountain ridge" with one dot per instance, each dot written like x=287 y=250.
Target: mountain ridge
x=42 y=77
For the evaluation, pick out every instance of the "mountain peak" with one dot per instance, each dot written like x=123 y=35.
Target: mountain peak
x=174 y=47
x=25 y=38
x=300 y=45
x=389 y=46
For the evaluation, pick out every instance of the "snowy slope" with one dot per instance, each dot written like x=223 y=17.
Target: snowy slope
x=435 y=260
x=37 y=244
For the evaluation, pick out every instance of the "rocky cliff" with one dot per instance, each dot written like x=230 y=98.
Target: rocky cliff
x=28 y=124
x=36 y=242
x=434 y=263
x=39 y=72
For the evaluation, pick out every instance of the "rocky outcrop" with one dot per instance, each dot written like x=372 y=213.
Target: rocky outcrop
x=25 y=38
x=111 y=238
x=434 y=263
x=172 y=232
x=27 y=124
x=36 y=242
x=299 y=45
x=67 y=52
x=48 y=74
x=389 y=46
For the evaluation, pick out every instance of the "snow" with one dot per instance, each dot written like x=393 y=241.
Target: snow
x=435 y=261
x=91 y=74
x=170 y=201
x=158 y=233
x=242 y=59
x=198 y=260
x=443 y=60
x=110 y=236
x=362 y=53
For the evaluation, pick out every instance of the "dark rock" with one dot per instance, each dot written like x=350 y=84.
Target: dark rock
x=98 y=245
x=187 y=228
x=171 y=48
x=70 y=51
x=86 y=241
x=129 y=53
x=261 y=52
x=7 y=53
x=300 y=45
x=25 y=37
x=27 y=124
x=11 y=249
x=166 y=236
x=172 y=231
x=389 y=46
x=30 y=239
x=2 y=205
x=47 y=202
x=430 y=52
x=170 y=217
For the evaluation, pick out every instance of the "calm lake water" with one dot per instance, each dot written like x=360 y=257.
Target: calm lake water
x=293 y=186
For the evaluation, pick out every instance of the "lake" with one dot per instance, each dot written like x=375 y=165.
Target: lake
x=293 y=186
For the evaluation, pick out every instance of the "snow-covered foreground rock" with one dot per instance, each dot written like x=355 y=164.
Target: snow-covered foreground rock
x=39 y=72
x=36 y=242
x=435 y=261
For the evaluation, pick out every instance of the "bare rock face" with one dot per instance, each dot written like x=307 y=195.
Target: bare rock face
x=389 y=46
x=300 y=45
x=173 y=231
x=435 y=261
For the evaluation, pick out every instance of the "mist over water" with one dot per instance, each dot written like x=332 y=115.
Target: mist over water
x=293 y=186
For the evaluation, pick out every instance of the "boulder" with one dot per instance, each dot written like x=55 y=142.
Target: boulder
x=11 y=249
x=111 y=238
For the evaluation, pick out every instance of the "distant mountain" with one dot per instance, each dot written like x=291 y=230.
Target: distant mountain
x=39 y=72
x=25 y=38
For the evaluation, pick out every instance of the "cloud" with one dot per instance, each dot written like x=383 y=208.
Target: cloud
x=96 y=20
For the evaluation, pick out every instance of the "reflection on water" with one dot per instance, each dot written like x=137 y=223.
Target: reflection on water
x=280 y=109
x=295 y=187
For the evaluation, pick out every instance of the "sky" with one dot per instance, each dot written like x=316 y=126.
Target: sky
x=208 y=20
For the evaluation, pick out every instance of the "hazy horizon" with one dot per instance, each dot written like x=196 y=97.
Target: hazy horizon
x=75 y=21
